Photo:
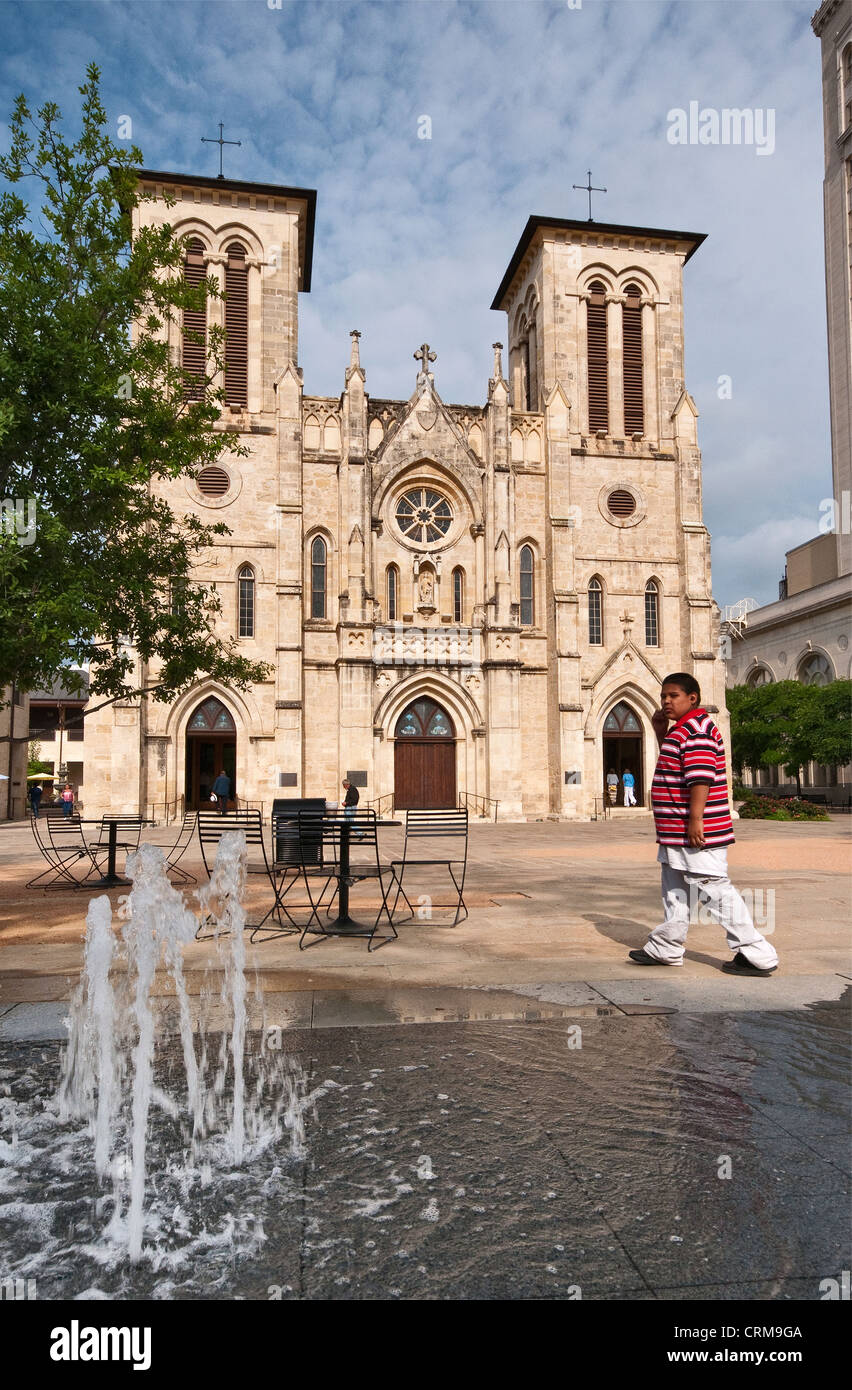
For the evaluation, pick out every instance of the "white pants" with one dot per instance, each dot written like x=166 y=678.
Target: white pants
x=692 y=876
x=629 y=796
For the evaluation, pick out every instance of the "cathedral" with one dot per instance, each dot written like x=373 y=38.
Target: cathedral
x=459 y=604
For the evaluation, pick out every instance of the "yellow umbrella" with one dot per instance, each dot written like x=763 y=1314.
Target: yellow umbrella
x=42 y=777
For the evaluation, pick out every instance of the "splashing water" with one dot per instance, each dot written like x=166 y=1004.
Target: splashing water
x=110 y=1075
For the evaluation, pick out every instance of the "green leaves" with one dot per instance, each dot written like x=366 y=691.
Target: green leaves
x=790 y=724
x=91 y=414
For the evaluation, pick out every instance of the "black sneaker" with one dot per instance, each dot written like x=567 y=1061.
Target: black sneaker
x=641 y=957
x=740 y=965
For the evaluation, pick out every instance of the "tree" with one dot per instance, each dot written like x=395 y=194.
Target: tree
x=35 y=763
x=790 y=723
x=92 y=412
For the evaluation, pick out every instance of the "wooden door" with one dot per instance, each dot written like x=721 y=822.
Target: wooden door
x=424 y=774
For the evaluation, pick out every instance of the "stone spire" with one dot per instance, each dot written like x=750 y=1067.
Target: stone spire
x=498 y=361
x=354 y=357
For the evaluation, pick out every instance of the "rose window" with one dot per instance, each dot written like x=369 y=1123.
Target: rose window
x=423 y=515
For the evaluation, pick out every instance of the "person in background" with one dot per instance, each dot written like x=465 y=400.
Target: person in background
x=629 y=783
x=612 y=785
x=35 y=798
x=221 y=789
x=67 y=799
x=689 y=797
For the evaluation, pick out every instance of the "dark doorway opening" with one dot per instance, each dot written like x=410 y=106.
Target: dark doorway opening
x=622 y=750
x=211 y=748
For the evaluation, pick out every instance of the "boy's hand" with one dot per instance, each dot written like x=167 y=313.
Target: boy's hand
x=695 y=831
x=660 y=725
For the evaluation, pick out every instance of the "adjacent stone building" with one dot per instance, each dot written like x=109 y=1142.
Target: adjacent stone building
x=470 y=603
x=805 y=635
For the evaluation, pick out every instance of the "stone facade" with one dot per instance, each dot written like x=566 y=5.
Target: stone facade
x=492 y=520
x=14 y=726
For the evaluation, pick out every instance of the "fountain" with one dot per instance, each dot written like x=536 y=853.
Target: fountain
x=119 y=1064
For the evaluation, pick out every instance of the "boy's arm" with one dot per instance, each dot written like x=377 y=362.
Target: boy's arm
x=698 y=794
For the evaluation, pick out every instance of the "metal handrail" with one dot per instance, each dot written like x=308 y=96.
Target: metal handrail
x=478 y=804
x=381 y=805
x=171 y=810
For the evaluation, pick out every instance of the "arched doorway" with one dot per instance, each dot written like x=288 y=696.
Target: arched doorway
x=211 y=748
x=424 y=757
x=622 y=749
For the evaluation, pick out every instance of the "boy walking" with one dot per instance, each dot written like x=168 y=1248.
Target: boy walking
x=689 y=796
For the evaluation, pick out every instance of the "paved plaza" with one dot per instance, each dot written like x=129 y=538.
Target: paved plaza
x=554 y=909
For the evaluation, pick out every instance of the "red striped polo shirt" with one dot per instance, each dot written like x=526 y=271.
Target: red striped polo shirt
x=691 y=752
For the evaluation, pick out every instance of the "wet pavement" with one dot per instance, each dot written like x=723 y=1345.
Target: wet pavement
x=559 y=1158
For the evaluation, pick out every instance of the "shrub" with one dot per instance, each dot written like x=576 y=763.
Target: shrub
x=780 y=808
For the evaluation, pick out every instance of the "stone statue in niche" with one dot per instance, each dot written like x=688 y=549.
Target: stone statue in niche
x=426 y=588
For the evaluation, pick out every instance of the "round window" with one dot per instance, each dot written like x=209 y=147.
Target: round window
x=423 y=515
x=213 y=482
x=621 y=502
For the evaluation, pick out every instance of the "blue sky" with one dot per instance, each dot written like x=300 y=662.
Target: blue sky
x=413 y=235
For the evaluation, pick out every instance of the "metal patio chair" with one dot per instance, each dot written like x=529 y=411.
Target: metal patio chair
x=177 y=849
x=342 y=850
x=425 y=830
x=212 y=825
x=63 y=846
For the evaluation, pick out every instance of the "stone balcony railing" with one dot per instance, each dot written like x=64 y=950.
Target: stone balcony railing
x=406 y=644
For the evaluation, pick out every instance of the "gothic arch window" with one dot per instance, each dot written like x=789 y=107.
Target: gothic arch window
x=846 y=87
x=597 y=358
x=458 y=595
x=392 y=580
x=634 y=409
x=245 y=602
x=652 y=613
x=424 y=719
x=236 y=326
x=815 y=669
x=527 y=573
x=194 y=335
x=622 y=720
x=595 y=612
x=211 y=716
x=760 y=675
x=312 y=432
x=319 y=579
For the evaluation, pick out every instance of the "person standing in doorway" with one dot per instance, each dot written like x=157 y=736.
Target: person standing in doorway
x=629 y=784
x=221 y=789
x=35 y=798
x=67 y=800
x=350 y=800
x=689 y=796
x=612 y=786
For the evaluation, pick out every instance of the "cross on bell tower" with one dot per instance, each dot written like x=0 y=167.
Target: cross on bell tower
x=590 y=189
x=208 y=140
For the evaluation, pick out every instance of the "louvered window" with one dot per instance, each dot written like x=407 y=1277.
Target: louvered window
x=194 y=341
x=236 y=326
x=213 y=481
x=596 y=332
x=246 y=601
x=525 y=358
x=634 y=409
x=318 y=577
x=458 y=595
x=527 y=586
x=652 y=614
x=392 y=581
x=595 y=613
x=621 y=502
